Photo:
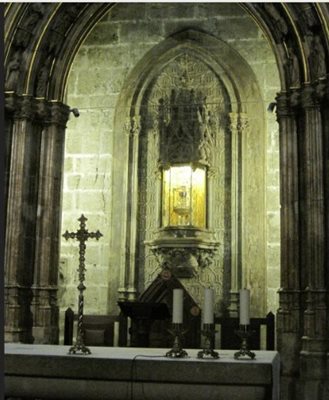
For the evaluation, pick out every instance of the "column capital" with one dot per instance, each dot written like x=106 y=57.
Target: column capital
x=308 y=97
x=31 y=108
x=238 y=121
x=283 y=104
x=26 y=108
x=322 y=90
x=11 y=102
x=132 y=125
x=59 y=113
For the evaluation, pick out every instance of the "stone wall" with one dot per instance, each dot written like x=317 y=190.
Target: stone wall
x=103 y=63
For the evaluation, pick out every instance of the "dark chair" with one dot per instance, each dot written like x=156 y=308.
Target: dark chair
x=98 y=330
x=230 y=340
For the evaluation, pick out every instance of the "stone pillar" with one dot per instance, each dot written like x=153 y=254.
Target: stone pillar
x=288 y=316
x=315 y=339
x=21 y=216
x=9 y=122
x=33 y=217
x=44 y=288
x=323 y=91
x=235 y=127
x=128 y=290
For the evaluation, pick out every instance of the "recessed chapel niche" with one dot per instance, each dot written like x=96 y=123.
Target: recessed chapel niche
x=181 y=88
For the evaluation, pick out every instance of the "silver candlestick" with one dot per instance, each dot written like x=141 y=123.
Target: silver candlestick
x=208 y=332
x=244 y=353
x=177 y=350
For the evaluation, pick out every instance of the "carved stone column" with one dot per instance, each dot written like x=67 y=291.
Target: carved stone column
x=33 y=217
x=44 y=289
x=253 y=214
x=323 y=95
x=235 y=127
x=315 y=339
x=11 y=103
x=288 y=316
x=21 y=216
x=128 y=290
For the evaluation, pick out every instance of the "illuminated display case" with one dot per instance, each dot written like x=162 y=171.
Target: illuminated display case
x=184 y=196
x=186 y=135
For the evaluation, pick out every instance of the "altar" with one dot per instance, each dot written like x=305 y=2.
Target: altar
x=114 y=373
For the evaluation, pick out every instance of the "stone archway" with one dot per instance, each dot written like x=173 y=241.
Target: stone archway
x=299 y=38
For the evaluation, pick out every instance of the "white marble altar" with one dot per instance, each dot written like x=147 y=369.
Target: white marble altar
x=113 y=373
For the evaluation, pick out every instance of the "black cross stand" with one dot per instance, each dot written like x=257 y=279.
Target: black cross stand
x=82 y=235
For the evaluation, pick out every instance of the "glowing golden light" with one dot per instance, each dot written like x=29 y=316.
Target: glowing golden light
x=184 y=196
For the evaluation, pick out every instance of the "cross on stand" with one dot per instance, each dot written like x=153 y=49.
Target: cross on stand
x=82 y=235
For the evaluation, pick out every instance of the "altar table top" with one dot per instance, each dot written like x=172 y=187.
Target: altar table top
x=147 y=366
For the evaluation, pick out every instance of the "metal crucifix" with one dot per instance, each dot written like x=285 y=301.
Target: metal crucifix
x=82 y=235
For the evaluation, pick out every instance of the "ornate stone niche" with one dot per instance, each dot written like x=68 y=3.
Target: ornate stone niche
x=185 y=106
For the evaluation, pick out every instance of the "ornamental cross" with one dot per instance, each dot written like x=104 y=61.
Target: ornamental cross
x=82 y=235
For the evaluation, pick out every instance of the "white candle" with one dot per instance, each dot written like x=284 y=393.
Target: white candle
x=177 y=315
x=244 y=306
x=208 y=307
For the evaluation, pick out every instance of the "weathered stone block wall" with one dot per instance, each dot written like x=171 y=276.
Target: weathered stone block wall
x=103 y=63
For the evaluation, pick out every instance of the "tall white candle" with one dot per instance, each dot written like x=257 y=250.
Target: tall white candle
x=208 y=306
x=177 y=315
x=244 y=306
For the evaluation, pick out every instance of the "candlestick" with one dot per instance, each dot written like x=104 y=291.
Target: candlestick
x=177 y=349
x=244 y=306
x=244 y=353
x=208 y=332
x=208 y=308
x=177 y=315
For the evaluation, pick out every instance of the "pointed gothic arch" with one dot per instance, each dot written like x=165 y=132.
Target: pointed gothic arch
x=245 y=131
x=36 y=75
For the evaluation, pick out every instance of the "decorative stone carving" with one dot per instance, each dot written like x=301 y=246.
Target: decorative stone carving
x=59 y=114
x=322 y=91
x=317 y=59
x=308 y=97
x=283 y=107
x=33 y=15
x=187 y=135
x=53 y=45
x=11 y=102
x=183 y=250
x=43 y=77
x=13 y=71
x=22 y=39
x=275 y=18
x=307 y=13
x=43 y=111
x=26 y=108
x=292 y=67
x=186 y=102
x=69 y=12
x=202 y=266
x=189 y=100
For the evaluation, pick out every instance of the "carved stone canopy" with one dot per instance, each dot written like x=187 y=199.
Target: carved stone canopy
x=185 y=103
